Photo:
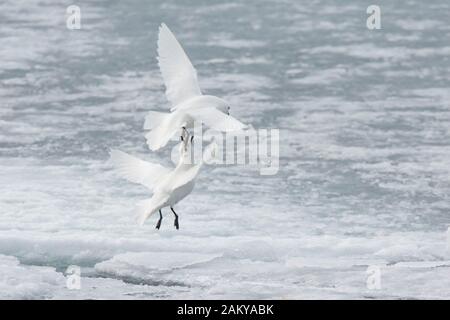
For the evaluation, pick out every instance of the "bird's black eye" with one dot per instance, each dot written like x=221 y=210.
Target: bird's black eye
x=192 y=139
x=182 y=139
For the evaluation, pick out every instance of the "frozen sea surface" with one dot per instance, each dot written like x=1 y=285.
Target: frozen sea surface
x=364 y=175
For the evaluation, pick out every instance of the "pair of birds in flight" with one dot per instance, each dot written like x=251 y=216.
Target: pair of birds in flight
x=169 y=186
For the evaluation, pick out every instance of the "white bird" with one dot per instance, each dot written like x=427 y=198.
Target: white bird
x=183 y=92
x=168 y=186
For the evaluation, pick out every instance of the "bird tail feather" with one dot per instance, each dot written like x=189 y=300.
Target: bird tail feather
x=162 y=132
x=146 y=208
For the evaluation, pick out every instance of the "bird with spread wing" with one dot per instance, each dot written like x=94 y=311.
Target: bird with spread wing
x=168 y=186
x=183 y=92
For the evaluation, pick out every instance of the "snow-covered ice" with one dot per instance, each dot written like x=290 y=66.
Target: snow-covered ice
x=364 y=175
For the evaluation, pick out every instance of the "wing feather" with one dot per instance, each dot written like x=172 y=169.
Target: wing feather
x=137 y=170
x=216 y=119
x=180 y=77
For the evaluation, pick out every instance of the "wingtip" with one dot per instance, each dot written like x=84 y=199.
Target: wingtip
x=141 y=220
x=163 y=26
x=163 y=30
x=112 y=153
x=240 y=127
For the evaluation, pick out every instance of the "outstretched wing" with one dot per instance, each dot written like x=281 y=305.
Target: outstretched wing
x=137 y=170
x=216 y=119
x=177 y=71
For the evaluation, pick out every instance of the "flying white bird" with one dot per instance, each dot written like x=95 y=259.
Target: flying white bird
x=183 y=92
x=168 y=186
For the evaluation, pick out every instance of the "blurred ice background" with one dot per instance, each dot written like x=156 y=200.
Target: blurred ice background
x=364 y=174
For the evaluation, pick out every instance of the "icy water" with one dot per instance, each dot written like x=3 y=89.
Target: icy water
x=364 y=175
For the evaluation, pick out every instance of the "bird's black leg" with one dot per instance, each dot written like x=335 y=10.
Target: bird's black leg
x=176 y=219
x=159 y=221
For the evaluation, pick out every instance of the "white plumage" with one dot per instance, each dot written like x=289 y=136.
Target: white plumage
x=168 y=186
x=183 y=92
